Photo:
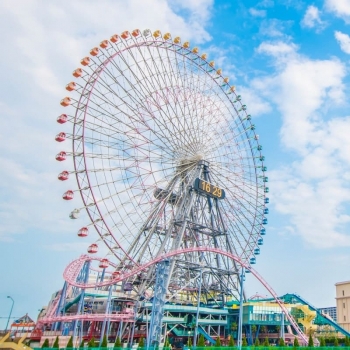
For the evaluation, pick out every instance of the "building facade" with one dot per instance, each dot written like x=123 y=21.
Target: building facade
x=343 y=304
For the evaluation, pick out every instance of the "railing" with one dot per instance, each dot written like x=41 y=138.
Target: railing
x=213 y=348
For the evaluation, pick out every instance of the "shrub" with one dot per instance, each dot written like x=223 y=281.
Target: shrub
x=56 y=344
x=311 y=342
x=266 y=342
x=46 y=343
x=118 y=343
x=217 y=342
x=201 y=341
x=231 y=342
x=70 y=343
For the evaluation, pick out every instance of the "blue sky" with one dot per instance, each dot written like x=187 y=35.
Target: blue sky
x=288 y=59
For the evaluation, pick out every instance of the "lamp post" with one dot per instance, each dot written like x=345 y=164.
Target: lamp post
x=8 y=320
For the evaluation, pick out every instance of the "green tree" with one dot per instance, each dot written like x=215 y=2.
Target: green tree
x=257 y=342
x=244 y=341
x=46 y=344
x=201 y=341
x=70 y=343
x=296 y=343
x=118 y=343
x=347 y=341
x=281 y=342
x=217 y=342
x=231 y=342
x=91 y=343
x=234 y=326
x=189 y=342
x=266 y=342
x=311 y=341
x=104 y=343
x=336 y=342
x=82 y=344
x=322 y=342
x=141 y=343
x=56 y=344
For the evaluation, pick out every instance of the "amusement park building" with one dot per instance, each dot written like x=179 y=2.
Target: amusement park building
x=218 y=317
x=343 y=304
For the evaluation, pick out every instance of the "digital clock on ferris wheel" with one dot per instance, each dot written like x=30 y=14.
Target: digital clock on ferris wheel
x=205 y=187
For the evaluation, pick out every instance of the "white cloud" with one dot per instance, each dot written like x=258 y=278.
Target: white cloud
x=314 y=190
x=343 y=40
x=312 y=18
x=278 y=49
x=257 y=13
x=341 y=8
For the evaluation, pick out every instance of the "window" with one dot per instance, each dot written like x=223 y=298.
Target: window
x=343 y=293
x=344 y=318
x=343 y=305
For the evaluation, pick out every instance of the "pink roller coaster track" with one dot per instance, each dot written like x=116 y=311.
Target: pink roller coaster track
x=72 y=270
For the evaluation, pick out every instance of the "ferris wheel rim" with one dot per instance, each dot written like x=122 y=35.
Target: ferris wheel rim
x=87 y=170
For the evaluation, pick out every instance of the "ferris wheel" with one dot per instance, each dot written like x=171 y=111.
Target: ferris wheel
x=165 y=157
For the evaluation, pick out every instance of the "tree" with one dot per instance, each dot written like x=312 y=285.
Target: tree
x=189 y=342
x=104 y=343
x=266 y=342
x=336 y=342
x=201 y=341
x=70 y=343
x=118 y=343
x=234 y=326
x=311 y=341
x=141 y=343
x=322 y=342
x=56 y=344
x=91 y=343
x=217 y=342
x=347 y=341
x=263 y=329
x=257 y=342
x=82 y=344
x=244 y=341
x=296 y=343
x=231 y=342
x=46 y=343
x=281 y=342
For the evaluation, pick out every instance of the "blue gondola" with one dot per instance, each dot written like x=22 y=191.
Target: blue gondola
x=252 y=261
x=266 y=210
x=257 y=251
x=264 y=221
x=266 y=190
x=266 y=179
x=267 y=200
x=260 y=241
x=263 y=232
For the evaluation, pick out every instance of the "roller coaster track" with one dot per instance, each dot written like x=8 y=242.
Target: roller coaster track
x=72 y=270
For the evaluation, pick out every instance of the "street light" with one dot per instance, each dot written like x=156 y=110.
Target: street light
x=13 y=302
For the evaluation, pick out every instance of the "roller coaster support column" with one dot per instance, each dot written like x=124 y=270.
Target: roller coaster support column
x=60 y=305
x=282 y=326
x=107 y=312
x=198 y=303
x=85 y=279
x=240 y=320
x=160 y=288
